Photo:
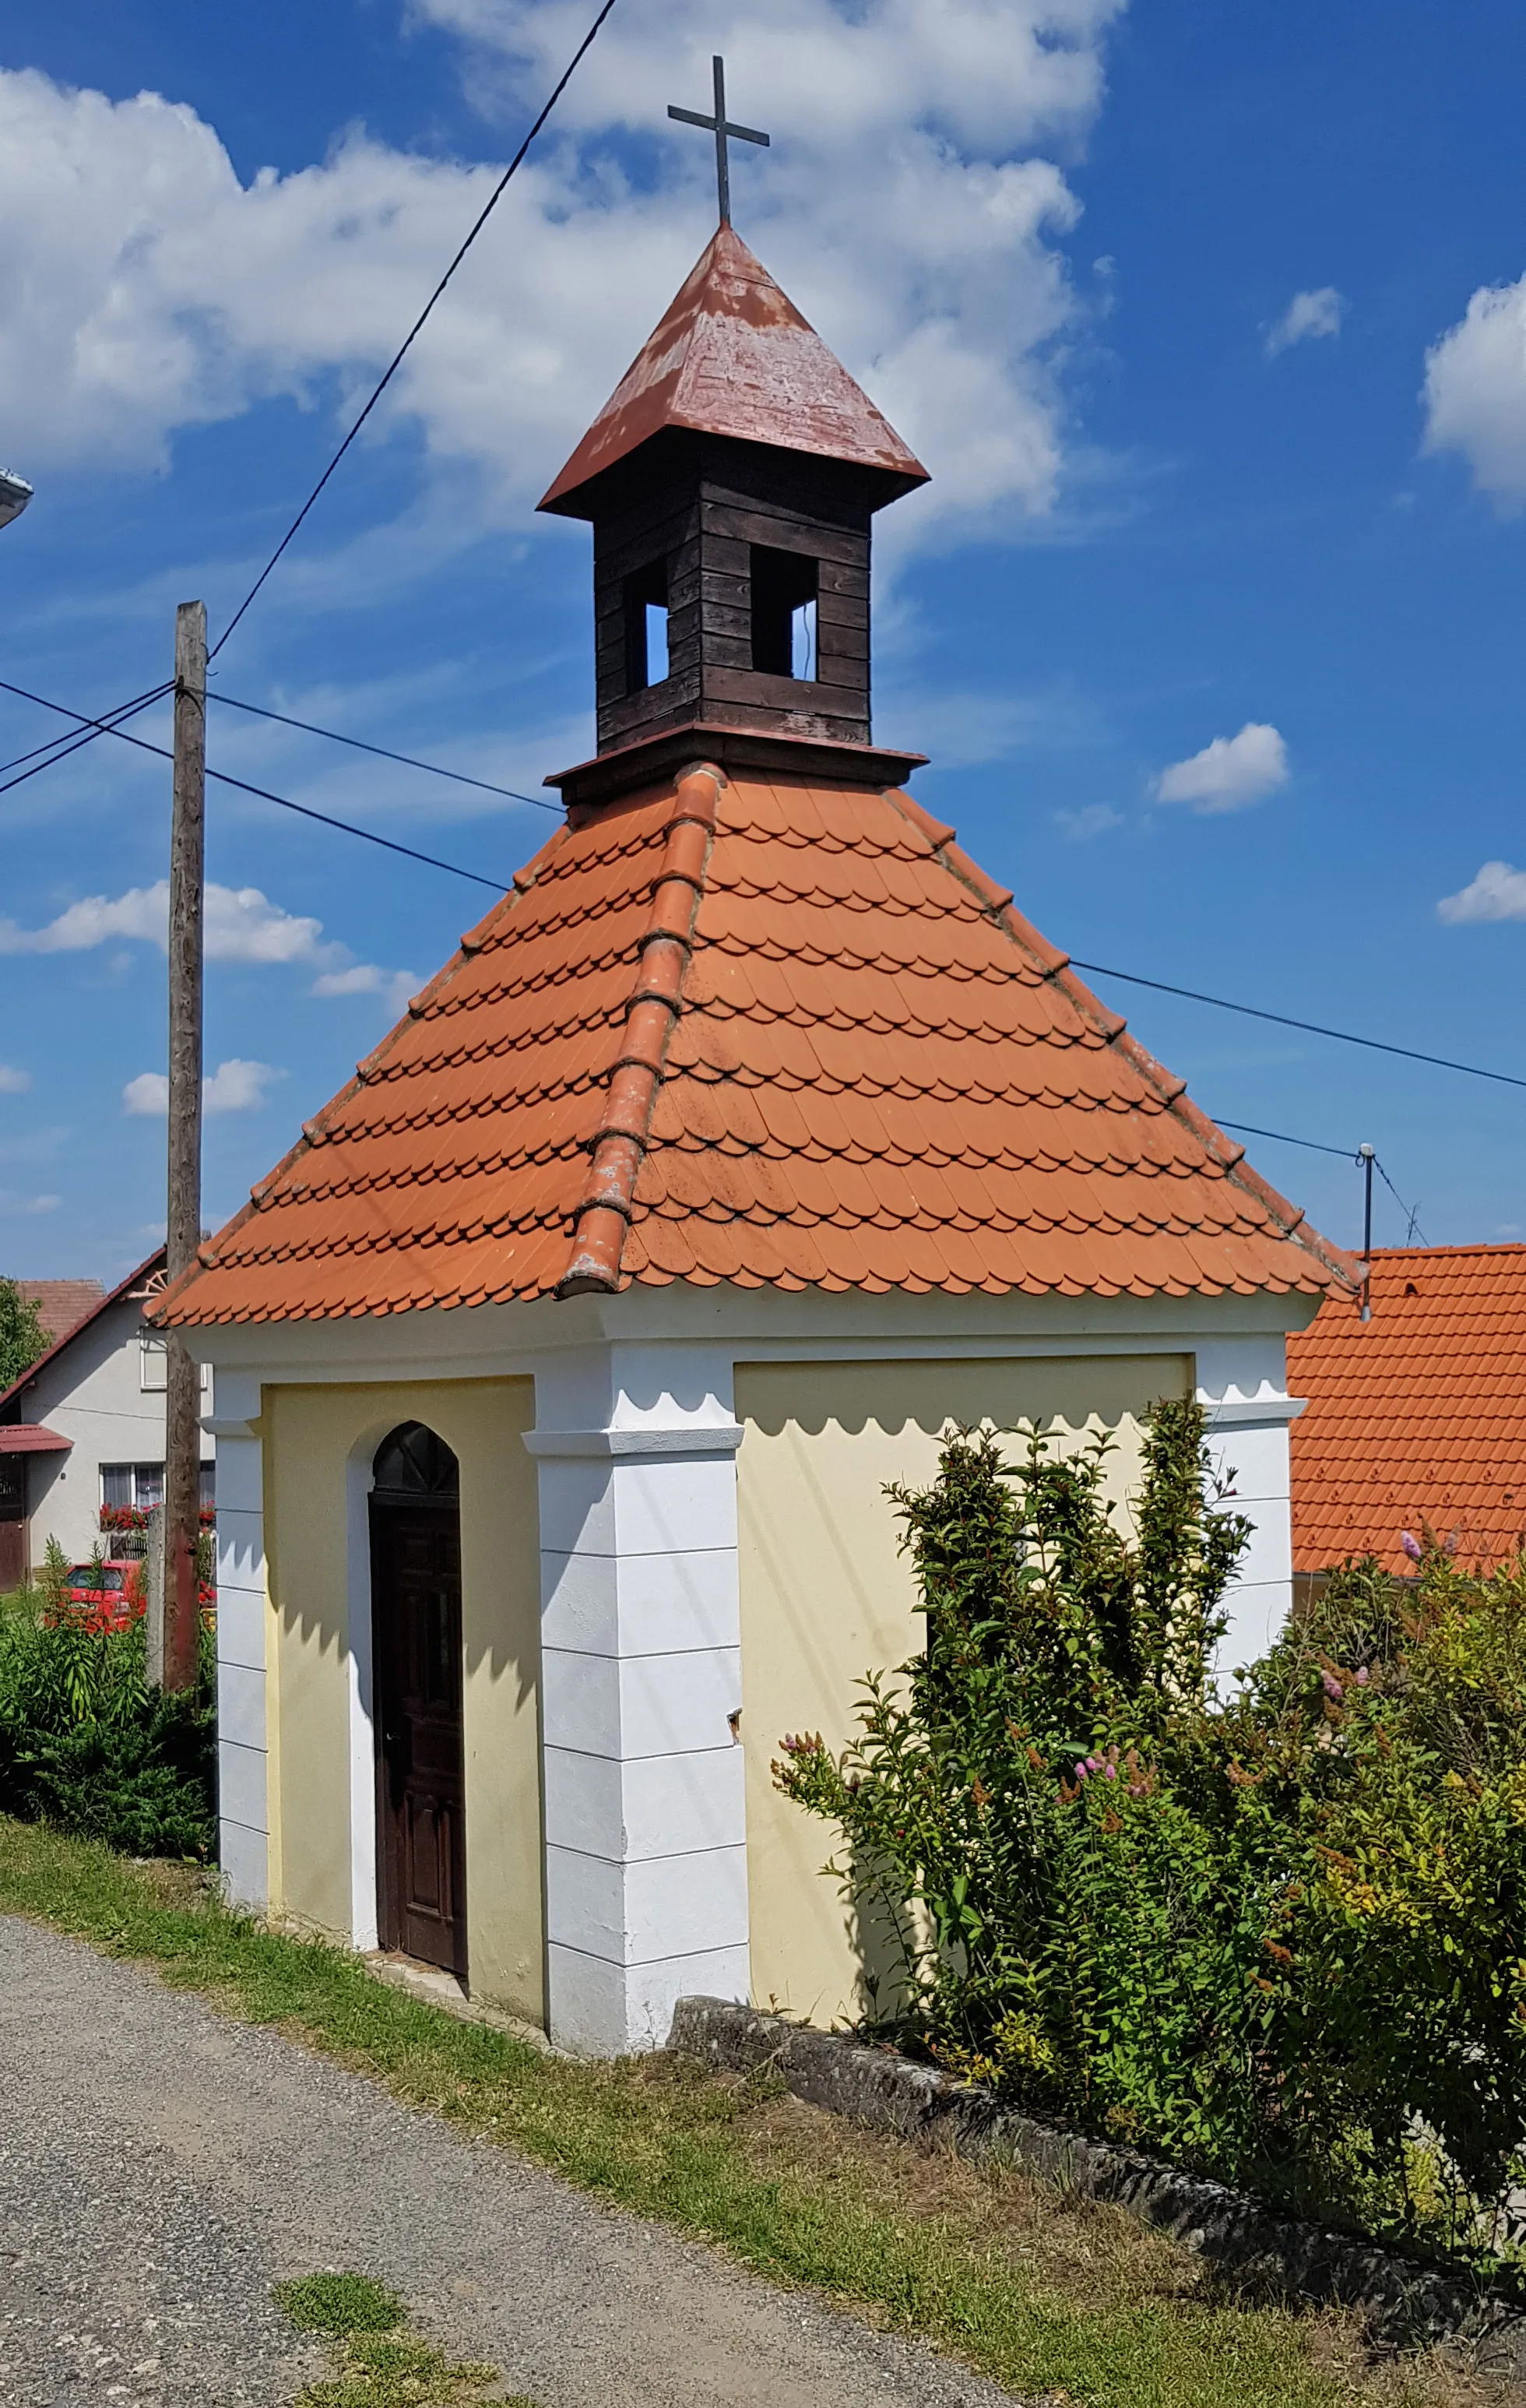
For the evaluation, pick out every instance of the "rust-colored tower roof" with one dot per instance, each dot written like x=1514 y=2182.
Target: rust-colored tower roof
x=734 y=356
x=758 y=1030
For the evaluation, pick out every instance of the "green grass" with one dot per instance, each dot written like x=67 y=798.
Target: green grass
x=709 y=2157
x=400 y=2370
x=340 y=2303
x=380 y=2365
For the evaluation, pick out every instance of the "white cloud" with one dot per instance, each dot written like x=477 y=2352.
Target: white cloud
x=147 y=1096
x=910 y=203
x=398 y=986
x=241 y=925
x=1307 y=316
x=1229 y=773
x=1475 y=392
x=233 y=1087
x=12 y=1203
x=1498 y=893
x=13 y=1082
x=1092 y=819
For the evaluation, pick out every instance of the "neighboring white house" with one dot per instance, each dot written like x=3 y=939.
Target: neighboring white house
x=85 y=1427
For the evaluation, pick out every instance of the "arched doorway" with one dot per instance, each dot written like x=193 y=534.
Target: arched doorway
x=416 y=1649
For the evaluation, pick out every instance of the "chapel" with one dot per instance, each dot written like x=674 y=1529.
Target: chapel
x=751 y=1142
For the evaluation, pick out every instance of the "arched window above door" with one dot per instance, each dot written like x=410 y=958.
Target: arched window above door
x=411 y=1461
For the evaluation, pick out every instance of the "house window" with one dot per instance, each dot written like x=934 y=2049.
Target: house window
x=646 y=627
x=143 y=1484
x=154 y=1356
x=133 y=1483
x=784 y=589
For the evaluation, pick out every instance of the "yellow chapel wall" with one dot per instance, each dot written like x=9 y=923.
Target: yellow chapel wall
x=826 y=1597
x=312 y=1436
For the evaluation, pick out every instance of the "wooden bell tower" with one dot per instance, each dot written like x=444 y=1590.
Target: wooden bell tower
x=730 y=482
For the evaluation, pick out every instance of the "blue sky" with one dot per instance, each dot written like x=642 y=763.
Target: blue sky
x=1210 y=323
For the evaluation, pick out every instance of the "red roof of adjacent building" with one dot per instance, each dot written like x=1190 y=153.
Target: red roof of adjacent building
x=32 y=1437
x=1416 y=1417
x=876 y=1075
x=734 y=356
x=61 y=1304
x=95 y=1305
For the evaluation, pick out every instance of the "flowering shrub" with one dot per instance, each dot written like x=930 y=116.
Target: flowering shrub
x=1284 y=1937
x=123 y=1517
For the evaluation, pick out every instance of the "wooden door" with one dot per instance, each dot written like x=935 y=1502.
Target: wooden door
x=13 y=1523
x=416 y=1593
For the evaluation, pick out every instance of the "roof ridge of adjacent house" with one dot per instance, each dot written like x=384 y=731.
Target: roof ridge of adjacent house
x=113 y=1296
x=1055 y=966
x=602 y=1217
x=313 y=1132
x=1468 y=1246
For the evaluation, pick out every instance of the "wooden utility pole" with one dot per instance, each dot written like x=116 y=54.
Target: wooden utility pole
x=182 y=1384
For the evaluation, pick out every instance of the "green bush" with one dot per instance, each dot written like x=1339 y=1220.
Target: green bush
x=86 y=1744
x=1282 y=1938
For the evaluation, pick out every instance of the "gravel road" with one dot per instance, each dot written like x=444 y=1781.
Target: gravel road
x=161 y=2167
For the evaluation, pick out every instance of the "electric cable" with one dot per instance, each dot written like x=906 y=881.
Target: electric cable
x=304 y=810
x=1342 y=1153
x=121 y=712
x=1410 y=1211
x=1310 y=1027
x=1279 y=1137
x=433 y=767
x=417 y=327
x=1095 y=969
x=59 y=747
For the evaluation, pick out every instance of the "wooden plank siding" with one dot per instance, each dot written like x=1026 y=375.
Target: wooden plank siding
x=701 y=509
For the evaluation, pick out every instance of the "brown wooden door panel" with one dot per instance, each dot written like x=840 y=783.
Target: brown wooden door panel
x=416 y=1592
x=13 y=1563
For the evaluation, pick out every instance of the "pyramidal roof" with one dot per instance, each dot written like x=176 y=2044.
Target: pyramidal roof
x=760 y=1030
x=734 y=356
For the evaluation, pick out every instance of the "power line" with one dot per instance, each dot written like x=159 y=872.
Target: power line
x=494 y=199
x=1410 y=1211
x=1310 y=1027
x=304 y=810
x=1279 y=1137
x=433 y=767
x=59 y=748
x=1342 y=1153
x=1096 y=969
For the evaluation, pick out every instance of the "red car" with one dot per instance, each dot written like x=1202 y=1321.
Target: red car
x=112 y=1592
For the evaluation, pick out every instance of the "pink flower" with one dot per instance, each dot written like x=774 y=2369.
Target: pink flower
x=1333 y=1688
x=1362 y=1676
x=1111 y=1770
x=1410 y=1544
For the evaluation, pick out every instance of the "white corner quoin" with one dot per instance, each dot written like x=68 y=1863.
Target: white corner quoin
x=646 y=1839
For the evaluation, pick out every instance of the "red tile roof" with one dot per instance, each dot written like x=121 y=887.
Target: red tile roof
x=734 y=356
x=32 y=1437
x=61 y=1304
x=879 y=1076
x=136 y=1282
x=1417 y=1415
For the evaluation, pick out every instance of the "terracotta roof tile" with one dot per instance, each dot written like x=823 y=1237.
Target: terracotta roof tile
x=871 y=1073
x=1418 y=1416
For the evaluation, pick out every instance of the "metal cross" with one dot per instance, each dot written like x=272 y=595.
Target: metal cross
x=722 y=132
